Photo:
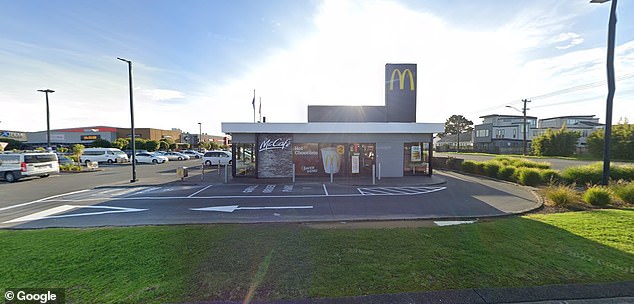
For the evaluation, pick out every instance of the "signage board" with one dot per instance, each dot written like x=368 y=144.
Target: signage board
x=306 y=159
x=90 y=137
x=416 y=154
x=400 y=92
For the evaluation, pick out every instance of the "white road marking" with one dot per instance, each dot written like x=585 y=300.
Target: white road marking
x=398 y=190
x=288 y=188
x=249 y=189
x=42 y=200
x=233 y=208
x=49 y=214
x=451 y=223
x=268 y=189
x=325 y=190
x=201 y=190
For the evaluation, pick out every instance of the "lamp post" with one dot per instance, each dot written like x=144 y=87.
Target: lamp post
x=200 y=134
x=134 y=179
x=523 y=111
x=611 y=88
x=48 y=119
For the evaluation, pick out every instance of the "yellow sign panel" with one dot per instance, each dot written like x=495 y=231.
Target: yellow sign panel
x=340 y=149
x=401 y=79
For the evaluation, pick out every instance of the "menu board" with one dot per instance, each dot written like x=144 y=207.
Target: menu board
x=416 y=154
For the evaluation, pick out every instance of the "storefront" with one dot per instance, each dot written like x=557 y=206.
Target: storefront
x=274 y=150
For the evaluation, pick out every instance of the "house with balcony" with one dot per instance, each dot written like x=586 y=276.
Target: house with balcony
x=503 y=134
x=450 y=143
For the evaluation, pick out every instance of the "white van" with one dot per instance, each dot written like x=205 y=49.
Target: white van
x=103 y=155
x=217 y=157
x=14 y=166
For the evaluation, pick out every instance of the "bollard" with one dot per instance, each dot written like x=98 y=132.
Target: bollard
x=413 y=170
x=331 y=172
x=219 y=167
x=293 y=173
x=379 y=171
x=202 y=172
x=226 y=175
x=373 y=174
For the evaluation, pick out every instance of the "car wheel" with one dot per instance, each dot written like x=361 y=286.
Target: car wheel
x=197 y=157
x=43 y=176
x=154 y=161
x=87 y=162
x=180 y=158
x=10 y=177
x=230 y=162
x=109 y=161
x=208 y=163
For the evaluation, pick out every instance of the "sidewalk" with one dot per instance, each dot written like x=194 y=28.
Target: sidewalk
x=619 y=292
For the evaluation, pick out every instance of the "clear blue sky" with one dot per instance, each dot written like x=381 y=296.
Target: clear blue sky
x=199 y=61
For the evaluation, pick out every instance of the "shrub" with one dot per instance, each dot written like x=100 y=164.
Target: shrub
x=625 y=192
x=479 y=168
x=528 y=176
x=491 y=168
x=69 y=167
x=507 y=173
x=469 y=166
x=621 y=172
x=597 y=196
x=549 y=176
x=561 y=196
x=589 y=174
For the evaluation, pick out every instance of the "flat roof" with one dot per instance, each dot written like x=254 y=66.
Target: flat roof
x=333 y=128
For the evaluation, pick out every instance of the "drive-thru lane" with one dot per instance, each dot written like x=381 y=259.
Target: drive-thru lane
x=460 y=197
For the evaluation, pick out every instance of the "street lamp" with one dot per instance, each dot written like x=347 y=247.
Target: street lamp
x=611 y=89
x=134 y=179
x=523 y=111
x=48 y=119
x=200 y=134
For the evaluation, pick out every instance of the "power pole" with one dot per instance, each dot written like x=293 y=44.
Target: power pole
x=524 y=112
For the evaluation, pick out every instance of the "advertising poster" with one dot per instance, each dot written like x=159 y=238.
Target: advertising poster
x=355 y=163
x=306 y=159
x=275 y=155
x=416 y=154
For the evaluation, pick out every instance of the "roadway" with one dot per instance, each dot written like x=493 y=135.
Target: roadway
x=107 y=198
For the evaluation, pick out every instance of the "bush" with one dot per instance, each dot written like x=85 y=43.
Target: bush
x=507 y=173
x=597 y=196
x=469 y=166
x=550 y=176
x=528 y=176
x=479 y=168
x=69 y=167
x=621 y=172
x=491 y=168
x=561 y=196
x=625 y=192
x=590 y=174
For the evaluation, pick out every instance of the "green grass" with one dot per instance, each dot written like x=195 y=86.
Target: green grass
x=286 y=261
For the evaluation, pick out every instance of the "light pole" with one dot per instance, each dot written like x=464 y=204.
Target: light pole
x=133 y=140
x=611 y=88
x=200 y=134
x=524 y=109
x=48 y=119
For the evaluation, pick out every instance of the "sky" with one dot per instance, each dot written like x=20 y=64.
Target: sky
x=200 y=61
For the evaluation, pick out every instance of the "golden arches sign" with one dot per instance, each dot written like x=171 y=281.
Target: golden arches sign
x=401 y=79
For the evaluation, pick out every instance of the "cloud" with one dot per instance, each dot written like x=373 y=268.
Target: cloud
x=161 y=94
x=570 y=39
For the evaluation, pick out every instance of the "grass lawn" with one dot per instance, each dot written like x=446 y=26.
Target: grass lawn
x=285 y=261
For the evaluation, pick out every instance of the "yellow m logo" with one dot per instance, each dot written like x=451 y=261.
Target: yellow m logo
x=401 y=79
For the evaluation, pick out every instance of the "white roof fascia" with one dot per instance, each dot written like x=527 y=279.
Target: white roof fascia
x=333 y=128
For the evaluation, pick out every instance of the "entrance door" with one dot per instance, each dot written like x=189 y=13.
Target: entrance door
x=360 y=159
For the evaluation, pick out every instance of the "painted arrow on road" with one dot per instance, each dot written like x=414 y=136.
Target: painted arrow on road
x=49 y=214
x=233 y=208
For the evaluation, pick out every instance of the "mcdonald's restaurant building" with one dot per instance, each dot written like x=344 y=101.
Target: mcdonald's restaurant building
x=347 y=141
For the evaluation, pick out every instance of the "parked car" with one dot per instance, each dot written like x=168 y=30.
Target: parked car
x=147 y=157
x=193 y=154
x=174 y=155
x=14 y=166
x=103 y=155
x=217 y=157
x=65 y=160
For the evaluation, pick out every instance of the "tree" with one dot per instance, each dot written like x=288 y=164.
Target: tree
x=120 y=143
x=12 y=144
x=163 y=145
x=621 y=142
x=101 y=143
x=455 y=125
x=561 y=142
x=152 y=145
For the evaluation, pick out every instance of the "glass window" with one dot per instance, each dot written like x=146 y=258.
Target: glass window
x=245 y=159
x=416 y=159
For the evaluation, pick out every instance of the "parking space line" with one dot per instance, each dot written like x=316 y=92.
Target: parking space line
x=268 y=189
x=41 y=214
x=201 y=190
x=325 y=190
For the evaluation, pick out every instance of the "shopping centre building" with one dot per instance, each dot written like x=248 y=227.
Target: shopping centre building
x=347 y=141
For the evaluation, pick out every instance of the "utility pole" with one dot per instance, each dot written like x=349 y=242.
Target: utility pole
x=48 y=119
x=132 y=130
x=524 y=112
